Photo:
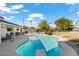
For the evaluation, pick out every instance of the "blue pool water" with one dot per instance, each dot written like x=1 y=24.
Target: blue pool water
x=49 y=44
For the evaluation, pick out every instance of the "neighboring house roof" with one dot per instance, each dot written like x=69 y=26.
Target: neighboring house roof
x=76 y=24
x=52 y=25
x=2 y=20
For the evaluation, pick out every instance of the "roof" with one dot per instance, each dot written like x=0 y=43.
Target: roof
x=2 y=20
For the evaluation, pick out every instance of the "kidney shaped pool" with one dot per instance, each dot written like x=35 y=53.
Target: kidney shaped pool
x=48 y=44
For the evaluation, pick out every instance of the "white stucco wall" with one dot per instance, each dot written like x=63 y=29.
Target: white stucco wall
x=76 y=29
x=3 y=30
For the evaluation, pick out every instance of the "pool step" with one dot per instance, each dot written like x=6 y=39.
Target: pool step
x=40 y=52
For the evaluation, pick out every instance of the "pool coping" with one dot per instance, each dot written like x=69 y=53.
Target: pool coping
x=67 y=49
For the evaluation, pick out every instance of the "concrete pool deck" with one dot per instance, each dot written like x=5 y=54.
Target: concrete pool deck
x=8 y=47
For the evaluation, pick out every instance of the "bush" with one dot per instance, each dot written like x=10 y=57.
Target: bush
x=36 y=30
x=49 y=32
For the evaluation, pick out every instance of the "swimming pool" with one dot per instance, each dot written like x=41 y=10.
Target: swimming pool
x=47 y=43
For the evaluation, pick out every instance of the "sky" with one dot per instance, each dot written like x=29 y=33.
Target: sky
x=23 y=13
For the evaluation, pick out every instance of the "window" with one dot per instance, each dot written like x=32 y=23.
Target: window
x=9 y=29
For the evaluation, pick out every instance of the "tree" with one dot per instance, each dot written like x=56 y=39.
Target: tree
x=43 y=25
x=63 y=23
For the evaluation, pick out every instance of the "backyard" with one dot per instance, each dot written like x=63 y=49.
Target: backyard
x=39 y=30
x=70 y=35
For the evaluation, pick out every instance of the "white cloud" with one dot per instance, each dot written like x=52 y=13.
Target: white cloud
x=2 y=4
x=8 y=18
x=42 y=18
x=25 y=10
x=32 y=18
x=36 y=15
x=5 y=9
x=17 y=6
x=8 y=10
x=28 y=19
x=70 y=4
x=13 y=9
x=77 y=13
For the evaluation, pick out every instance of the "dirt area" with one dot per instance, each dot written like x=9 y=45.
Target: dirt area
x=70 y=35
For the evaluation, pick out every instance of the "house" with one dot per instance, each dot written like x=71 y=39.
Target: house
x=76 y=27
x=8 y=29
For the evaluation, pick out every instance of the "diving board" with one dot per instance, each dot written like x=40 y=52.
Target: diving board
x=49 y=43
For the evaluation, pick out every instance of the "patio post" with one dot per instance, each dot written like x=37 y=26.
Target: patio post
x=14 y=33
x=0 y=33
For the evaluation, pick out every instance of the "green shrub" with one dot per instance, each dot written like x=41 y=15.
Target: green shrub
x=49 y=32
